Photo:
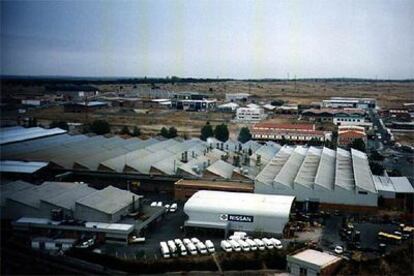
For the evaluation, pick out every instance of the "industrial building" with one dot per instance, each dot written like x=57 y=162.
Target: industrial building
x=395 y=191
x=238 y=211
x=320 y=178
x=348 y=134
x=348 y=102
x=16 y=134
x=340 y=117
x=299 y=133
x=192 y=101
x=79 y=107
x=233 y=97
x=249 y=114
x=74 y=209
x=310 y=262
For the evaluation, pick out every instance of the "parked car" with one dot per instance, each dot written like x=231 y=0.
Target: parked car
x=165 y=251
x=201 y=248
x=339 y=249
x=252 y=244
x=173 y=208
x=276 y=243
x=244 y=245
x=268 y=243
x=154 y=203
x=191 y=248
x=260 y=244
x=195 y=240
x=235 y=245
x=210 y=246
x=159 y=203
x=226 y=246
x=186 y=241
x=173 y=248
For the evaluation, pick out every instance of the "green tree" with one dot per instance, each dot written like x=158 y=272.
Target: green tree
x=172 y=132
x=164 y=132
x=136 y=132
x=59 y=124
x=244 y=135
x=221 y=132
x=124 y=130
x=358 y=144
x=206 y=131
x=100 y=127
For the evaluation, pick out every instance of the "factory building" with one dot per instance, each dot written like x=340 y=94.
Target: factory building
x=249 y=114
x=347 y=102
x=233 y=97
x=320 y=178
x=395 y=191
x=238 y=211
x=79 y=107
x=16 y=134
x=298 y=133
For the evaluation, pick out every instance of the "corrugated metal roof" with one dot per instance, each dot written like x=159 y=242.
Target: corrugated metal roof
x=344 y=176
x=287 y=173
x=221 y=169
x=68 y=198
x=11 y=166
x=307 y=172
x=17 y=134
x=402 y=185
x=108 y=200
x=266 y=152
x=13 y=187
x=362 y=171
x=267 y=175
x=325 y=175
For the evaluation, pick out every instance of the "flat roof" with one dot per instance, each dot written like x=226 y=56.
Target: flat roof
x=317 y=258
x=11 y=166
x=284 y=126
x=196 y=183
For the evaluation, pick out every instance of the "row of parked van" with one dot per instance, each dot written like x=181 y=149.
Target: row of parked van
x=240 y=242
x=193 y=246
x=168 y=207
x=250 y=244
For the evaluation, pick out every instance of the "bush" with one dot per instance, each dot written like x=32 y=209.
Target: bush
x=206 y=132
x=100 y=127
x=136 y=132
x=244 y=135
x=221 y=132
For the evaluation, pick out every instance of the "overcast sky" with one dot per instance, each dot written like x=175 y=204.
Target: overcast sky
x=237 y=39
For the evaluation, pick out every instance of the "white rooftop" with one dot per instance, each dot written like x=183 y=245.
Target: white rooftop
x=17 y=134
x=320 y=259
x=240 y=203
x=12 y=166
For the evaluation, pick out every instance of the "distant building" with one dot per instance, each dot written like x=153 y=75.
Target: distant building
x=347 y=102
x=291 y=132
x=74 y=93
x=287 y=109
x=84 y=106
x=395 y=191
x=347 y=134
x=192 y=101
x=311 y=262
x=233 y=97
x=249 y=114
x=228 y=107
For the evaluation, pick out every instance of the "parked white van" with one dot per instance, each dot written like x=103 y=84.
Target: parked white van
x=173 y=248
x=252 y=244
x=277 y=244
x=226 y=246
x=244 y=245
x=182 y=249
x=186 y=241
x=153 y=204
x=191 y=248
x=240 y=234
x=195 y=240
x=159 y=203
x=210 y=246
x=235 y=245
x=173 y=208
x=165 y=252
x=268 y=243
x=201 y=248
x=260 y=244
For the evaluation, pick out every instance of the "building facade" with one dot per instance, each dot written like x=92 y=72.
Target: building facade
x=249 y=114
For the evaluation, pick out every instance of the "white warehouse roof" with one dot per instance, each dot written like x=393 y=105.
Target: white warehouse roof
x=240 y=203
x=17 y=134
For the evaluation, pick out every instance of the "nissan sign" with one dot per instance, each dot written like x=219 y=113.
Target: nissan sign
x=238 y=218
